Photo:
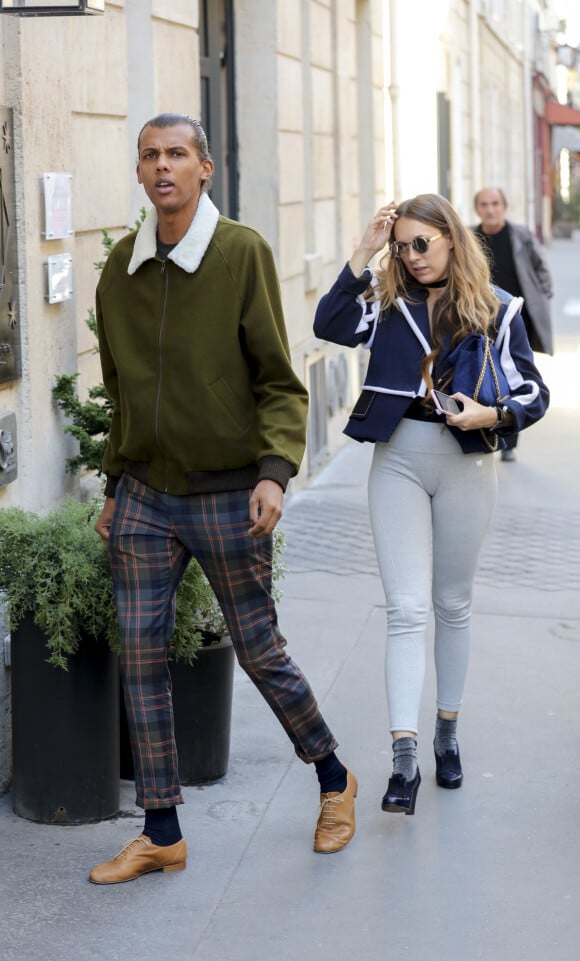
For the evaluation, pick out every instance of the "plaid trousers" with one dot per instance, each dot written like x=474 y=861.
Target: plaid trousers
x=153 y=536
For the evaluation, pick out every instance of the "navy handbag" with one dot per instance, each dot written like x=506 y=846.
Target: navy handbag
x=477 y=373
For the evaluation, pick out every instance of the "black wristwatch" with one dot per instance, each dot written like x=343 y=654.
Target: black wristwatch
x=499 y=422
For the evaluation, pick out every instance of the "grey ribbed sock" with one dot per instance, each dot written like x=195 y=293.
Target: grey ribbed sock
x=405 y=757
x=445 y=735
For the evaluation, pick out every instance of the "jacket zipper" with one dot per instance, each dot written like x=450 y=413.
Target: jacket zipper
x=165 y=276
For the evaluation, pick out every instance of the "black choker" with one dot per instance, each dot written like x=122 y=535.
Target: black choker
x=438 y=283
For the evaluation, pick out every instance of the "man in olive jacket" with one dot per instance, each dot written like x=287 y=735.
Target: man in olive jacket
x=519 y=266
x=208 y=426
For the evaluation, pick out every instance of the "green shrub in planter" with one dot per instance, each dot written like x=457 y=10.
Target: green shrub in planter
x=55 y=569
x=55 y=573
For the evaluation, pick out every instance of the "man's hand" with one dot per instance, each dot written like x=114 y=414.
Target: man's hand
x=103 y=522
x=265 y=507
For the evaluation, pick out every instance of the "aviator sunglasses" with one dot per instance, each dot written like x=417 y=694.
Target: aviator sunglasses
x=419 y=244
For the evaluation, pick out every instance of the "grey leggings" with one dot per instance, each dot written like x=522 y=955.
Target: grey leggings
x=430 y=506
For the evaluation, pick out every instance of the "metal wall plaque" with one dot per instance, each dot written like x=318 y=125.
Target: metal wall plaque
x=8 y=461
x=57 y=196
x=10 y=359
x=58 y=278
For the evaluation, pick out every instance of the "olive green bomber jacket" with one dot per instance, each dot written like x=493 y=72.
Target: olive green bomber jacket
x=195 y=357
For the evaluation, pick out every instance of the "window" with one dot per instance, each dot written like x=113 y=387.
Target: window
x=317 y=424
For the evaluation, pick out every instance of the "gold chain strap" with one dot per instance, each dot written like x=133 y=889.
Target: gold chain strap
x=488 y=360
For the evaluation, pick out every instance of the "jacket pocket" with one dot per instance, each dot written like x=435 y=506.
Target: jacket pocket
x=233 y=406
x=363 y=404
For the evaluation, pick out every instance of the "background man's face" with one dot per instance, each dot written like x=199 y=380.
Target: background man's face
x=491 y=210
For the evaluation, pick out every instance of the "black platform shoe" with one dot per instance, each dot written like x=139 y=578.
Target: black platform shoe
x=401 y=795
x=448 y=771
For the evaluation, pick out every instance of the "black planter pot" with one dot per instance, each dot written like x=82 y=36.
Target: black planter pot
x=65 y=731
x=202 y=713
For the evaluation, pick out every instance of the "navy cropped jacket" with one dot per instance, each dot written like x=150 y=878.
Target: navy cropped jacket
x=398 y=341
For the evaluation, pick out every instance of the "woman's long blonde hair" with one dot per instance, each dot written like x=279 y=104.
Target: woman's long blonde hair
x=468 y=303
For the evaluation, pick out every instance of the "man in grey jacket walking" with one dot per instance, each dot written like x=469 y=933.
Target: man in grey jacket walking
x=517 y=265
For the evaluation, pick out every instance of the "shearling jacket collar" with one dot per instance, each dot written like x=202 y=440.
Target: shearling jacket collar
x=189 y=251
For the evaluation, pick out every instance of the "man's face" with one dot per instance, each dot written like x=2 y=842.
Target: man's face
x=491 y=210
x=170 y=169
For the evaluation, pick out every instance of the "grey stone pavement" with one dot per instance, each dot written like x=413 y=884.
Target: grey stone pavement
x=486 y=873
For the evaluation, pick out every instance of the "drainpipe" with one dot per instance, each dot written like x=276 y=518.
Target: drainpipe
x=474 y=97
x=529 y=131
x=394 y=90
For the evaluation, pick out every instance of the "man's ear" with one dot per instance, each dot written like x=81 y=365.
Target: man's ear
x=208 y=169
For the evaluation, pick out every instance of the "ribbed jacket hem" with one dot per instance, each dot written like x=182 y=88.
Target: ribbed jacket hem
x=213 y=482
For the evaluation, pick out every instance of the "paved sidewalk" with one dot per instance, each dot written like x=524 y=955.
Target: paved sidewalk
x=487 y=873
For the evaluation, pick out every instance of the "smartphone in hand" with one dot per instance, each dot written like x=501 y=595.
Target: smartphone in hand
x=446 y=404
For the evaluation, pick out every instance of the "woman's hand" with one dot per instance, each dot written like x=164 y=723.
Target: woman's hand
x=474 y=416
x=375 y=237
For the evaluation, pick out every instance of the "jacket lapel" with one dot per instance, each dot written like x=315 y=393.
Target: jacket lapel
x=190 y=250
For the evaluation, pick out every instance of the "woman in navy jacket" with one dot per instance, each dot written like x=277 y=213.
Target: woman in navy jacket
x=432 y=484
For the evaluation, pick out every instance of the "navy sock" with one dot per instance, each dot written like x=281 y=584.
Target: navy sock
x=331 y=774
x=162 y=826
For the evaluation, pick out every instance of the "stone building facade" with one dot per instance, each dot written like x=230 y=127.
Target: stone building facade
x=464 y=108
x=292 y=95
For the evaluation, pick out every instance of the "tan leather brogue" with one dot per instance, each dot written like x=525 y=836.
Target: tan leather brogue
x=138 y=857
x=336 y=823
